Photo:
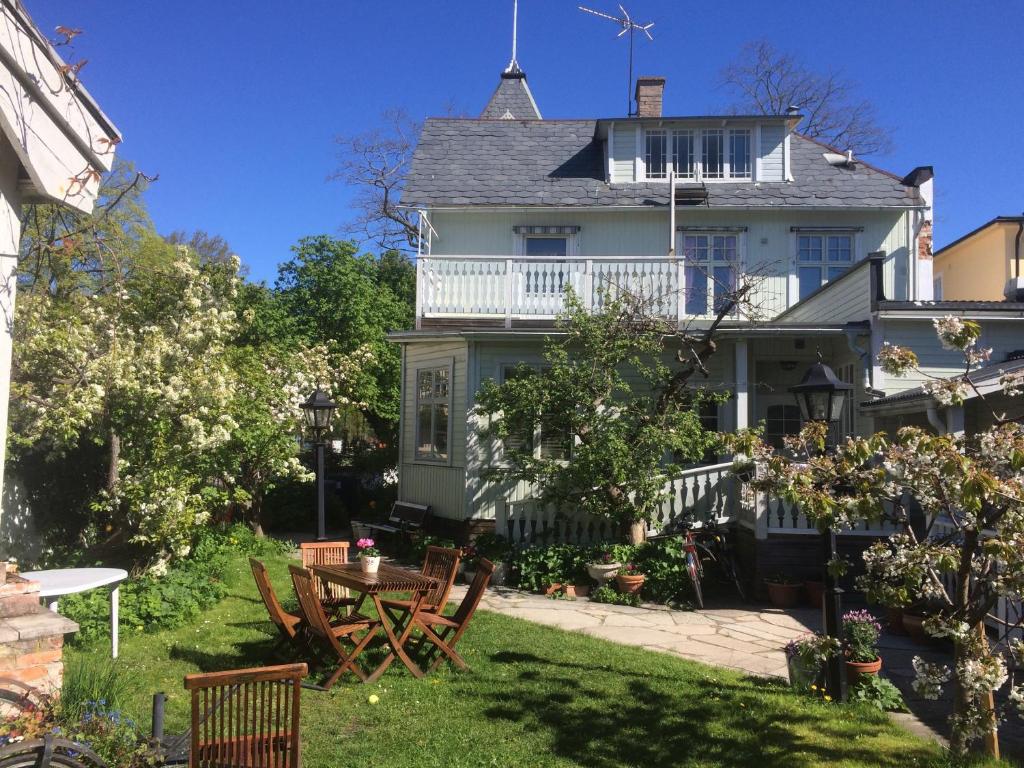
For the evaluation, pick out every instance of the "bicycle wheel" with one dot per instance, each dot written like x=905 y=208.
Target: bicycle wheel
x=730 y=567
x=693 y=568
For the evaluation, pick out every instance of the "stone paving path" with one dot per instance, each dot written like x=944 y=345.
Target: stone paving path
x=746 y=639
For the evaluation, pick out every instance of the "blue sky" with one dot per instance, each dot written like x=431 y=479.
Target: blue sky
x=236 y=105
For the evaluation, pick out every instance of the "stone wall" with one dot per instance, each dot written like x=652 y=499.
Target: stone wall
x=31 y=637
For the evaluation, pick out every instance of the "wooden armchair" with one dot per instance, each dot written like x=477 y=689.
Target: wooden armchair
x=332 y=596
x=332 y=633
x=441 y=564
x=246 y=717
x=443 y=631
x=287 y=623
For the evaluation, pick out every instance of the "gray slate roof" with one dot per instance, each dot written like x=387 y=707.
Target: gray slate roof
x=460 y=162
x=511 y=100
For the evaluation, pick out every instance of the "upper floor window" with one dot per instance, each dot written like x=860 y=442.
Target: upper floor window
x=543 y=245
x=821 y=258
x=702 y=154
x=433 y=412
x=709 y=270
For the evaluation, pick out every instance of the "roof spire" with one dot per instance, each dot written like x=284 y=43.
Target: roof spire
x=513 y=65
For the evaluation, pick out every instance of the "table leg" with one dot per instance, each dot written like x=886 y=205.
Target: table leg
x=397 y=643
x=115 y=596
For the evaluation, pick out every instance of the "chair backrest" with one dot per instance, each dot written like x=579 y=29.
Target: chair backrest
x=325 y=553
x=246 y=717
x=310 y=605
x=441 y=564
x=475 y=593
x=408 y=515
x=277 y=613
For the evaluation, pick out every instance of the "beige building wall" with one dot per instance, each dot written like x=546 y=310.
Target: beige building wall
x=978 y=266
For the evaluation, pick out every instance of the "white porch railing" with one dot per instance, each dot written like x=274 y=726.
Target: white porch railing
x=768 y=515
x=703 y=493
x=525 y=287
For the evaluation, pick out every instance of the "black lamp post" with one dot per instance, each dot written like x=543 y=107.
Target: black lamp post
x=821 y=396
x=317 y=411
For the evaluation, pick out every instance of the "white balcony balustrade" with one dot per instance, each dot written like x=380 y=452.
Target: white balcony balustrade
x=532 y=288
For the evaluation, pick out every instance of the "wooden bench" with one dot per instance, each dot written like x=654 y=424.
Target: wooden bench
x=405 y=517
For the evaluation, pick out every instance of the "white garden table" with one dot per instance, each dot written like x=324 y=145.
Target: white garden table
x=68 y=581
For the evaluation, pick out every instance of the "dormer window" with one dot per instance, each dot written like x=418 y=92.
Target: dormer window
x=724 y=154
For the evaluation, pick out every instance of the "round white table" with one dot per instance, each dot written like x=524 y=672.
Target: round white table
x=68 y=581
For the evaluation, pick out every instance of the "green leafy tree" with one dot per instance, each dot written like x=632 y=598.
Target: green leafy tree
x=624 y=419
x=349 y=301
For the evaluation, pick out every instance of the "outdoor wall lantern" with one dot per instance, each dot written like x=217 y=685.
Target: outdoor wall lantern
x=317 y=411
x=821 y=397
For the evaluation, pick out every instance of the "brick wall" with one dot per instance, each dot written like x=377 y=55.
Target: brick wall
x=31 y=637
x=924 y=241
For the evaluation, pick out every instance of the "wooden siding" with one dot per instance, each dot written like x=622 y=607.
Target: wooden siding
x=623 y=154
x=849 y=300
x=772 y=157
x=442 y=485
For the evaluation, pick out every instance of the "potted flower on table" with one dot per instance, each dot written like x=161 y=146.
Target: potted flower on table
x=369 y=555
x=861 y=631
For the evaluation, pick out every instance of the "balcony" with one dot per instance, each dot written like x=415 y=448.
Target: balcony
x=499 y=290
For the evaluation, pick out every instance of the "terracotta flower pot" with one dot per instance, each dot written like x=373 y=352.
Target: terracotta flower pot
x=855 y=670
x=814 y=593
x=582 y=590
x=894 y=620
x=629 y=585
x=913 y=625
x=550 y=589
x=783 y=595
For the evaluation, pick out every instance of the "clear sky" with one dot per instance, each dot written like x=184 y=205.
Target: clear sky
x=236 y=104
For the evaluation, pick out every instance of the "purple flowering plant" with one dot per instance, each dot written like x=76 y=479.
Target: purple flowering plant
x=860 y=633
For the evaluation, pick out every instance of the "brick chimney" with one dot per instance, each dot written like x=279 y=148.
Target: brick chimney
x=649 y=94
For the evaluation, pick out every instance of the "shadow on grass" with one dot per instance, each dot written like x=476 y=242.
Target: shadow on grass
x=605 y=716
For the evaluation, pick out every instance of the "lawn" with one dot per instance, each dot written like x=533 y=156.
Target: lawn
x=536 y=696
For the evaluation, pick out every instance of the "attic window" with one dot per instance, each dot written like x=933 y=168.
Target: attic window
x=655 y=159
x=698 y=154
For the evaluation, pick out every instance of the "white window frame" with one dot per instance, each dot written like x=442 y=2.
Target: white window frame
x=432 y=456
x=737 y=265
x=503 y=371
x=937 y=292
x=825 y=264
x=697 y=136
x=571 y=245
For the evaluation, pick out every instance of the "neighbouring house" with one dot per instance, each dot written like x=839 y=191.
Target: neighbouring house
x=984 y=264
x=514 y=208
x=55 y=144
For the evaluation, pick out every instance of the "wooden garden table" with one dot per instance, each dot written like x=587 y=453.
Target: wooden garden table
x=389 y=578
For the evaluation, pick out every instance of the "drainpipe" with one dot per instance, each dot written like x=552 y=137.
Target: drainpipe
x=863 y=354
x=933 y=418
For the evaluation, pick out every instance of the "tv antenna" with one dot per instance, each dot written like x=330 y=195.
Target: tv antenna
x=628 y=26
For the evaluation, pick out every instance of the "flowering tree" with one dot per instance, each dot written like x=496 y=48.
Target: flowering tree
x=971 y=489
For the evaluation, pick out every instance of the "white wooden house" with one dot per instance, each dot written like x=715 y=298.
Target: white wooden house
x=514 y=208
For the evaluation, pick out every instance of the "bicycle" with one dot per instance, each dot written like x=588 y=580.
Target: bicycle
x=707 y=542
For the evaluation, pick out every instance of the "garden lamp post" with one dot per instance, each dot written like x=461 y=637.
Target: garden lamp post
x=317 y=411
x=821 y=397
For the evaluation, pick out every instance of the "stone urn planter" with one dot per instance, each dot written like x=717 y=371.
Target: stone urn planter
x=602 y=572
x=784 y=594
x=369 y=563
x=630 y=584
x=855 y=670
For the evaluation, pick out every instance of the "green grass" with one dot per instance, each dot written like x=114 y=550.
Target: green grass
x=535 y=696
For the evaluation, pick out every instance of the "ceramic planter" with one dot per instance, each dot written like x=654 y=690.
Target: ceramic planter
x=629 y=585
x=814 y=593
x=803 y=674
x=914 y=627
x=369 y=564
x=855 y=670
x=602 y=572
x=783 y=595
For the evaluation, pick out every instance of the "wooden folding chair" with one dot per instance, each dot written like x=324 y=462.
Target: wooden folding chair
x=246 y=717
x=331 y=633
x=450 y=629
x=287 y=623
x=441 y=564
x=332 y=596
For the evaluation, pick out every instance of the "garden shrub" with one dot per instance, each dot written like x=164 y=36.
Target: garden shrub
x=614 y=597
x=879 y=693
x=190 y=585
